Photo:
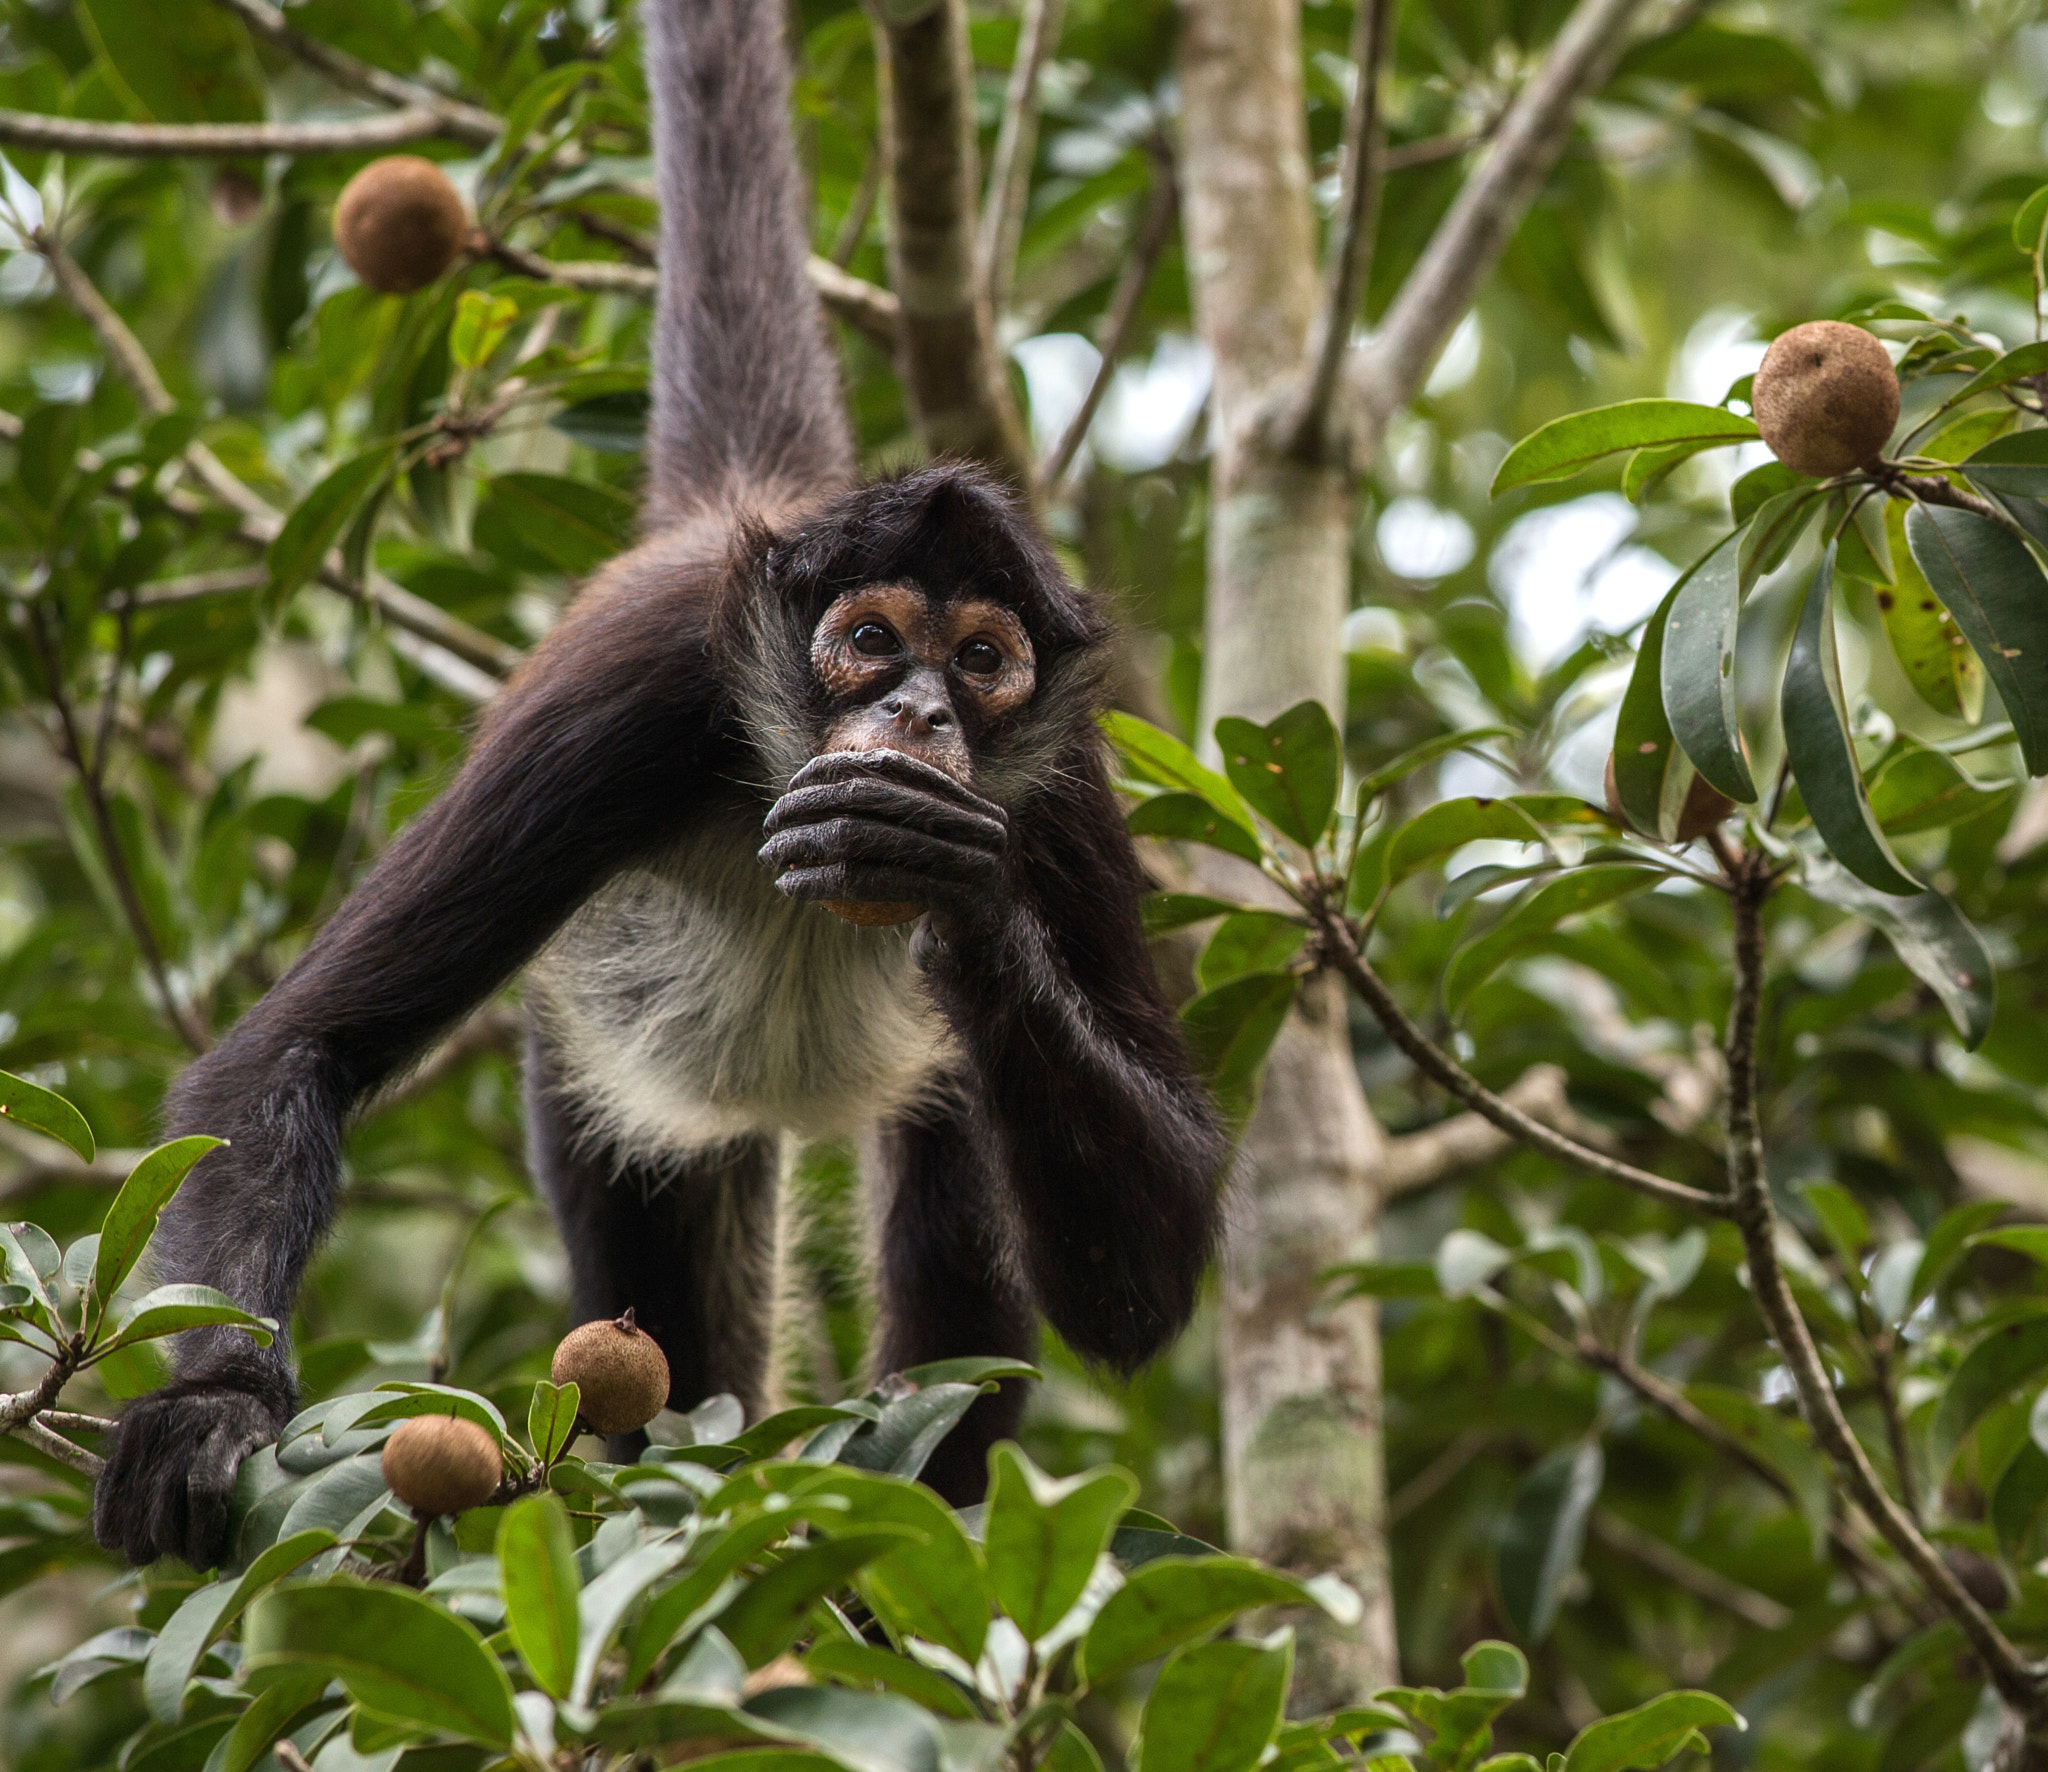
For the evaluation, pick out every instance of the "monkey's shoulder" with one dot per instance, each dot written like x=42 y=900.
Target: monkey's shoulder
x=689 y=1003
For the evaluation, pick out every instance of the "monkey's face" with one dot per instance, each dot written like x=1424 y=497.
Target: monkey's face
x=905 y=673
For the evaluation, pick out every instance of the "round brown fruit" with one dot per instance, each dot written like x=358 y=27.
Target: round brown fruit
x=618 y=1369
x=400 y=224
x=441 y=1464
x=1826 y=398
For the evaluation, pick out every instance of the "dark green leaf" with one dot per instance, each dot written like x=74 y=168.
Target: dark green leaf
x=857 y=1663
x=318 y=519
x=1216 y=1707
x=768 y=1615
x=2017 y=1500
x=1565 y=445
x=397 y=1653
x=1405 y=765
x=567 y=525
x=1994 y=589
x=131 y=1219
x=1581 y=890
x=1932 y=938
x=909 y=1430
x=1998 y=1363
x=1230 y=1030
x=2014 y=465
x=1159 y=757
x=1288 y=769
x=1822 y=758
x=1923 y=790
x=1171 y=1602
x=1164 y=912
x=1543 y=1533
x=1696 y=672
x=1773 y=532
x=29 y=1104
x=171 y=1309
x=1190 y=819
x=867 y=1731
x=612 y=424
x=1651 y=774
x=1249 y=941
x=1450 y=825
x=205 y=1616
x=170 y=65
x=537 y=1563
x=551 y=1419
x=930 y=1586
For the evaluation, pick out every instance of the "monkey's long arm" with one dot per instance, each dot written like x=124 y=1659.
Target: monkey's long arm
x=555 y=795
x=1109 y=1142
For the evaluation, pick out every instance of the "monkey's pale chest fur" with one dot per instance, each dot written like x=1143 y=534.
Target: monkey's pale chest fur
x=690 y=1004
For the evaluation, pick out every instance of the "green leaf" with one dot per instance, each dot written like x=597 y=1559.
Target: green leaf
x=1919 y=789
x=1946 y=1241
x=1405 y=765
x=865 y=1731
x=1044 y=1535
x=1496 y=1667
x=1651 y=774
x=397 y=1653
x=1648 y=1735
x=1998 y=1363
x=1287 y=770
x=555 y=523
x=970 y=1369
x=1773 y=532
x=909 y=1430
x=771 y=1611
x=1543 y=1533
x=269 y=1715
x=1188 y=818
x=481 y=322
x=1451 y=824
x=1565 y=445
x=2014 y=465
x=2017 y=1500
x=1932 y=938
x=1387 y=1279
x=2030 y=224
x=1696 y=673
x=1648 y=469
x=170 y=65
x=131 y=1220
x=1164 y=912
x=2030 y=1240
x=205 y=1616
x=1216 y=1707
x=607 y=1600
x=318 y=519
x=1925 y=639
x=1174 y=1601
x=1863 y=549
x=852 y=1663
x=537 y=1561
x=1758 y=487
x=1817 y=745
x=403 y=1400
x=1842 y=1219
x=551 y=1419
x=1249 y=941
x=170 y=1310
x=930 y=1585
x=1159 y=757
x=1581 y=890
x=1994 y=589
x=29 y=1104
x=613 y=423
x=1230 y=1030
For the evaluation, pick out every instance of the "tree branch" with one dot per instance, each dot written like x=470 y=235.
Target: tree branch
x=958 y=388
x=1390 y=368
x=46 y=1440
x=1118 y=319
x=2020 y=1682
x=1753 y=1608
x=151 y=141
x=1420 y=1160
x=464 y=122
x=1340 y=948
x=1009 y=178
x=1358 y=222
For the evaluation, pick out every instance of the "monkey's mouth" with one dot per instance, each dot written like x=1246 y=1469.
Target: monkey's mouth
x=954 y=759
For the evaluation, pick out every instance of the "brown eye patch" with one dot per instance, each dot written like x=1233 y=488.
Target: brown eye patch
x=989 y=654
x=868 y=634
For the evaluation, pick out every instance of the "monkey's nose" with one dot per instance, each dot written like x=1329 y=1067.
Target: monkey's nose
x=918 y=716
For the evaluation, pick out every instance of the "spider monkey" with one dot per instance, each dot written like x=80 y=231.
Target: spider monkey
x=798 y=691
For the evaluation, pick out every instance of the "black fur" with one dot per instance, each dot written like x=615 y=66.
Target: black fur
x=1068 y=1161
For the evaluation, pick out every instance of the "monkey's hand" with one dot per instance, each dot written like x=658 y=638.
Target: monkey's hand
x=170 y=1474
x=881 y=827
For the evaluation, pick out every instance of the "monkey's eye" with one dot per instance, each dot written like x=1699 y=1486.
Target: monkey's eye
x=872 y=640
x=978 y=658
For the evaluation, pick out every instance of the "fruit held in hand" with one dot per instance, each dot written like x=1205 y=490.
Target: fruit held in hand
x=400 y=224
x=441 y=1464
x=1826 y=398
x=619 y=1370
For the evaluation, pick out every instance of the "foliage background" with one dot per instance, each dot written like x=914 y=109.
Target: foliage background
x=1756 y=165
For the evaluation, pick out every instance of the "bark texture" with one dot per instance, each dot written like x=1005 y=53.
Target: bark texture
x=1303 y=1475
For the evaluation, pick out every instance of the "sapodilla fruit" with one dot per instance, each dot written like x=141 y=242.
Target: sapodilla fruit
x=1826 y=398
x=619 y=1370
x=1705 y=806
x=441 y=1464
x=879 y=916
x=400 y=224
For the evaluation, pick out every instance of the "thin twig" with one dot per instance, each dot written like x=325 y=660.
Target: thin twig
x=1618 y=1534
x=153 y=141
x=67 y=1421
x=54 y=1445
x=1118 y=319
x=1009 y=177
x=1358 y=221
x=1340 y=947
x=1422 y=1159
x=159 y=593
x=1388 y=371
x=853 y=225
x=2020 y=1682
x=1436 y=1475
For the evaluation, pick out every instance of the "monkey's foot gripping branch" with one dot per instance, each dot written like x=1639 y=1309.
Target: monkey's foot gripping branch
x=1340 y=948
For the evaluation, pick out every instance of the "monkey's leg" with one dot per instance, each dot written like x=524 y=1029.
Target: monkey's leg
x=947 y=1278
x=688 y=1244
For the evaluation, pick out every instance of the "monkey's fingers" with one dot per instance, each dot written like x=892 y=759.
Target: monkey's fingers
x=892 y=765
x=890 y=802
x=869 y=843
x=858 y=883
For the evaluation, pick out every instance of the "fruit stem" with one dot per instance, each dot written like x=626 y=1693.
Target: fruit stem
x=625 y=1323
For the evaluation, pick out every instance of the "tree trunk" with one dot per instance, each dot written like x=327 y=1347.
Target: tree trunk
x=1303 y=1466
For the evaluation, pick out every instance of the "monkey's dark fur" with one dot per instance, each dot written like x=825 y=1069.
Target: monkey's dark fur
x=1031 y=1124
